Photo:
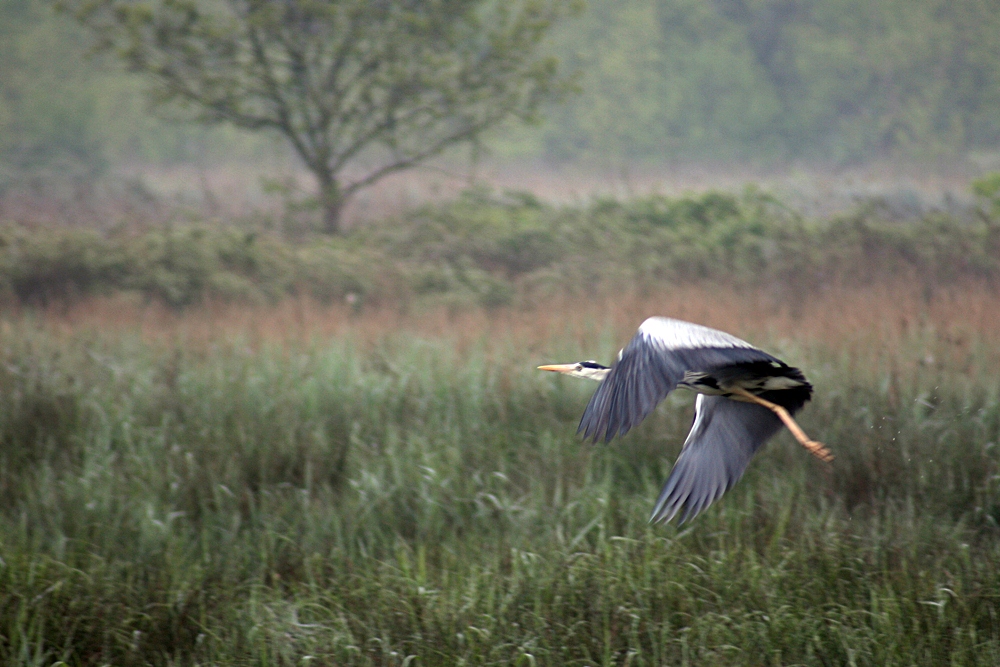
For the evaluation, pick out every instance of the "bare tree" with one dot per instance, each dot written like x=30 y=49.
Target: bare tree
x=359 y=87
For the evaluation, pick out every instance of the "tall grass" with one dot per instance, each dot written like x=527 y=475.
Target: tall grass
x=309 y=486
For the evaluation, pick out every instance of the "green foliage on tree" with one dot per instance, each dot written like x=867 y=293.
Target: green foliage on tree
x=834 y=80
x=69 y=115
x=360 y=89
x=45 y=98
x=680 y=80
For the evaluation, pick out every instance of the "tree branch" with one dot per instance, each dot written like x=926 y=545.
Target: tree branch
x=341 y=78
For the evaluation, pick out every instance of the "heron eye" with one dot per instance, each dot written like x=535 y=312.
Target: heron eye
x=579 y=367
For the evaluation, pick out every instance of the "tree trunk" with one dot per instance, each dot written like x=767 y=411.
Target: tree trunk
x=332 y=201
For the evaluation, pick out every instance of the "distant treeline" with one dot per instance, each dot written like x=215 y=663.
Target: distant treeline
x=492 y=250
x=839 y=80
x=836 y=80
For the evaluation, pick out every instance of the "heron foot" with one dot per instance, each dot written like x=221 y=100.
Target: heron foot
x=817 y=449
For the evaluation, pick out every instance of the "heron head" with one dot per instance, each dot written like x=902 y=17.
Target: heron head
x=581 y=369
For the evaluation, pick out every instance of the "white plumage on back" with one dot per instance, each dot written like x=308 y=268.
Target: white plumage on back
x=671 y=334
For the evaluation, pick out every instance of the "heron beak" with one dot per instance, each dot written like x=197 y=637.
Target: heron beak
x=558 y=368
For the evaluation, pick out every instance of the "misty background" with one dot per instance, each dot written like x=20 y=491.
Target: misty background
x=231 y=435
x=723 y=85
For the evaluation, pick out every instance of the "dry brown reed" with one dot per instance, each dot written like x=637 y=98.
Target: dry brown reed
x=879 y=315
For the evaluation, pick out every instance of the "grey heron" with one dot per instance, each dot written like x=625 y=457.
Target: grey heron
x=744 y=396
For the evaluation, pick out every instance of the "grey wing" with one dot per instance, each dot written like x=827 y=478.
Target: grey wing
x=724 y=437
x=650 y=367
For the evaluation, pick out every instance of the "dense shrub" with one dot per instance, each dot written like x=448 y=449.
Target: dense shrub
x=495 y=249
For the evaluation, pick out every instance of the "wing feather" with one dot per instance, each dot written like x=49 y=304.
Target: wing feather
x=724 y=437
x=674 y=334
x=650 y=367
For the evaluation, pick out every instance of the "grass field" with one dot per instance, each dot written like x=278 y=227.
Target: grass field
x=302 y=485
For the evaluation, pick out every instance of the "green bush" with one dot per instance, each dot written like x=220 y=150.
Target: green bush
x=498 y=249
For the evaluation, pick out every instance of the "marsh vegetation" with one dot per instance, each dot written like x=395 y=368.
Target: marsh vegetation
x=302 y=483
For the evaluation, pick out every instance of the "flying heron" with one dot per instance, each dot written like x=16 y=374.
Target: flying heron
x=744 y=396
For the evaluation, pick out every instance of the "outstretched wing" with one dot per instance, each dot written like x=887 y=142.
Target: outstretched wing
x=650 y=367
x=724 y=437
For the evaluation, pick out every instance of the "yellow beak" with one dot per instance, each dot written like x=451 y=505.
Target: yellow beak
x=558 y=368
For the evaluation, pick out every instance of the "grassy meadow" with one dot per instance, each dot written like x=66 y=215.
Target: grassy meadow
x=302 y=484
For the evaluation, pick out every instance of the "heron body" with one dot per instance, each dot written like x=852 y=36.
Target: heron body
x=744 y=397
